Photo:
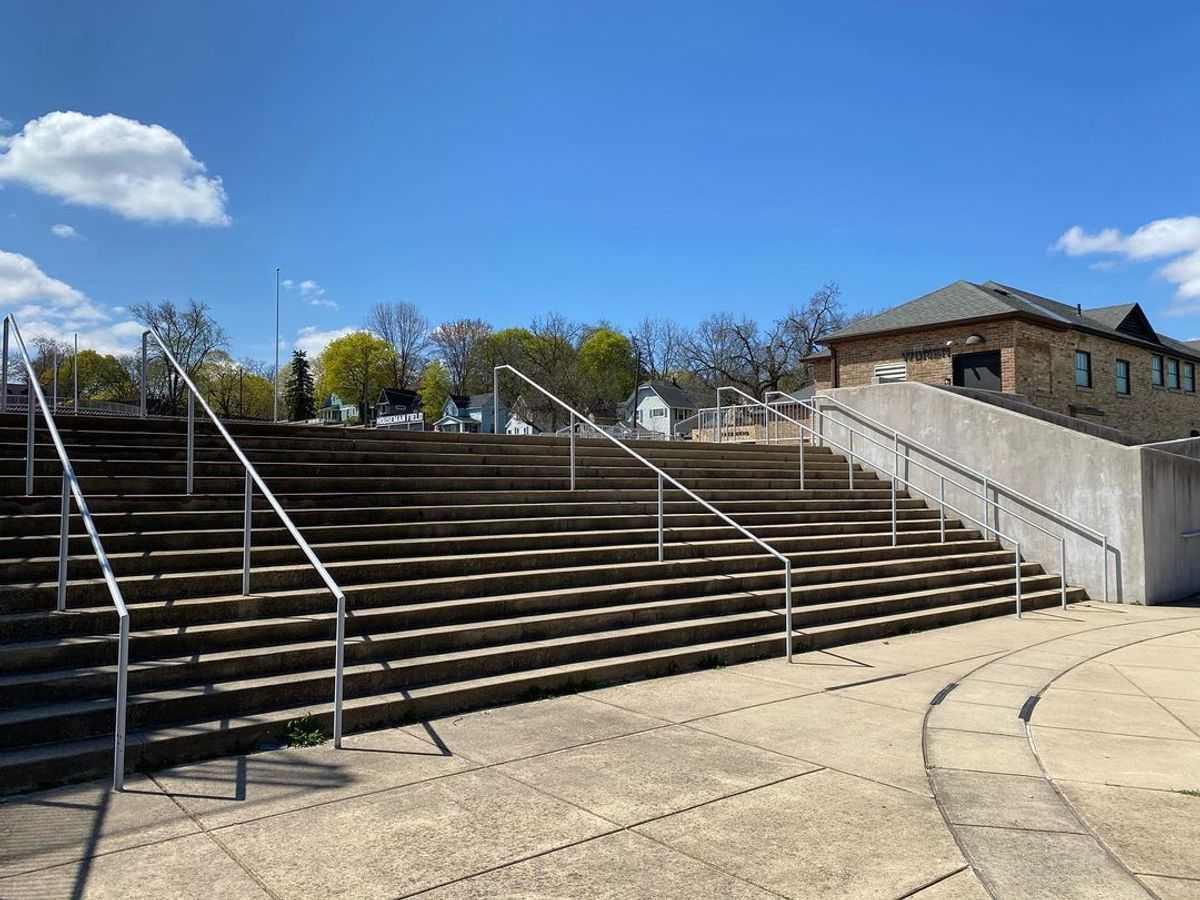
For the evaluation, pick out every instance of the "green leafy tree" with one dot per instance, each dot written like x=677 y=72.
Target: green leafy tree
x=604 y=368
x=434 y=388
x=357 y=365
x=103 y=377
x=299 y=388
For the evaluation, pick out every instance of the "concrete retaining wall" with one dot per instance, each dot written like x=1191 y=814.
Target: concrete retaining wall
x=1144 y=498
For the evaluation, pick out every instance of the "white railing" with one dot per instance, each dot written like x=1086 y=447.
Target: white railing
x=990 y=488
x=578 y=418
x=940 y=499
x=740 y=423
x=252 y=479
x=70 y=487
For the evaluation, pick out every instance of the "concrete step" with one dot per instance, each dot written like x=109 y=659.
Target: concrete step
x=599 y=546
x=27 y=768
x=31 y=685
x=681 y=526
x=491 y=572
x=191 y=626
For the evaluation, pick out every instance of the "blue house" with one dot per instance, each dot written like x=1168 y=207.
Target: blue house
x=470 y=414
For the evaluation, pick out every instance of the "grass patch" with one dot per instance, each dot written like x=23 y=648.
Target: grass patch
x=304 y=732
x=1189 y=792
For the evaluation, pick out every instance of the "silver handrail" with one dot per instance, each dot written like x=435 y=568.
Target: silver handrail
x=252 y=479
x=941 y=500
x=663 y=477
x=986 y=480
x=71 y=488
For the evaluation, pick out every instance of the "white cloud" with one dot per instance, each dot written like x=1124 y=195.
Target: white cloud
x=311 y=292
x=1177 y=237
x=65 y=231
x=142 y=172
x=5 y=124
x=46 y=305
x=312 y=341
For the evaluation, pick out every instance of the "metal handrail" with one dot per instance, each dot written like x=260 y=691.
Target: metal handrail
x=941 y=500
x=577 y=416
x=986 y=480
x=252 y=479
x=71 y=488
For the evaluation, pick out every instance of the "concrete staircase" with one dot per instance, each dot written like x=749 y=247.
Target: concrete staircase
x=473 y=576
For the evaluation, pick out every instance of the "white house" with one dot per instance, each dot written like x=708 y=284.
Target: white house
x=661 y=405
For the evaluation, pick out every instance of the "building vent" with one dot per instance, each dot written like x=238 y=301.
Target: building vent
x=885 y=372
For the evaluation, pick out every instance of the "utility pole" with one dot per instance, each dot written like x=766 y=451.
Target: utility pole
x=75 y=360
x=275 y=378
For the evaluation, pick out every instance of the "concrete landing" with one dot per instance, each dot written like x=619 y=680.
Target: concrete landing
x=834 y=776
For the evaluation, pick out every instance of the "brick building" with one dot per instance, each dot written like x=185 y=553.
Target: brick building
x=1106 y=365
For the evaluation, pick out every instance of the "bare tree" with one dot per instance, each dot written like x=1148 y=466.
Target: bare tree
x=459 y=345
x=658 y=346
x=821 y=315
x=407 y=333
x=191 y=334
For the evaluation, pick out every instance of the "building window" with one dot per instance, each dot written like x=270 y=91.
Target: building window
x=1083 y=369
x=1173 y=374
x=1189 y=377
x=655 y=413
x=1156 y=370
x=1123 y=377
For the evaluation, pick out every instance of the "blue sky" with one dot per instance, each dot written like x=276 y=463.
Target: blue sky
x=609 y=160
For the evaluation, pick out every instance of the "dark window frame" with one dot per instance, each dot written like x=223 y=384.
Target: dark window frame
x=1123 y=363
x=1087 y=357
x=1189 y=377
x=1172 y=374
x=1157 y=370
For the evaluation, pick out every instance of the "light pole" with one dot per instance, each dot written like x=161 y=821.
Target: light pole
x=275 y=377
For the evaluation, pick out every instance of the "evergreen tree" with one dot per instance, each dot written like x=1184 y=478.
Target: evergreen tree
x=298 y=392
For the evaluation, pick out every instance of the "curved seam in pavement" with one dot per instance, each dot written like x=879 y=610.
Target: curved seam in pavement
x=969 y=857
x=1054 y=786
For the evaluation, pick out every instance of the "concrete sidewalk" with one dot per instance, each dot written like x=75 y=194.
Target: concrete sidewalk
x=834 y=776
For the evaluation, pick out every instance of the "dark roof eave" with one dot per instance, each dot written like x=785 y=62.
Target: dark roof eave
x=1026 y=317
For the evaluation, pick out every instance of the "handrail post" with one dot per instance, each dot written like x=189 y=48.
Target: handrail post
x=63 y=534
x=787 y=605
x=246 y=528
x=895 y=536
x=122 y=696
x=339 y=664
x=942 y=508
x=4 y=370
x=800 y=438
x=660 y=517
x=572 y=451
x=142 y=373
x=718 y=416
x=850 y=458
x=29 y=443
x=1104 y=551
x=191 y=441
x=496 y=401
x=987 y=510
x=1017 y=575
x=1062 y=562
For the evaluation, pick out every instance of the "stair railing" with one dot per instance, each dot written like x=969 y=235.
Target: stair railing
x=940 y=499
x=252 y=479
x=663 y=479
x=70 y=487
x=989 y=485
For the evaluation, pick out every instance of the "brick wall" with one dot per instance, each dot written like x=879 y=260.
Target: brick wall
x=1036 y=362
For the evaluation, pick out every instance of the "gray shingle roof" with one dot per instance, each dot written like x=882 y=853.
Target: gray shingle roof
x=963 y=301
x=674 y=395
